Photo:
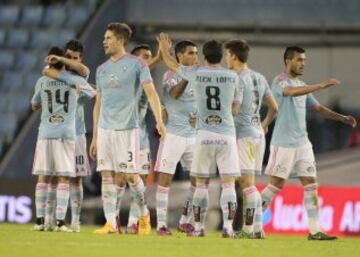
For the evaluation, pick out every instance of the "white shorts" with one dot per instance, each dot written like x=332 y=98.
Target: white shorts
x=215 y=150
x=251 y=154
x=118 y=150
x=173 y=149
x=54 y=157
x=291 y=162
x=144 y=165
x=82 y=160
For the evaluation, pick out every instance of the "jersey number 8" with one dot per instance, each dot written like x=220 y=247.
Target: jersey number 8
x=213 y=100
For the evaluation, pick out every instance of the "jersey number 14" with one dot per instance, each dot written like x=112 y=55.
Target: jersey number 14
x=64 y=102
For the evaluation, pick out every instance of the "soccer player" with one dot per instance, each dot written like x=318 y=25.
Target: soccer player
x=73 y=62
x=250 y=132
x=55 y=148
x=217 y=98
x=142 y=51
x=291 y=153
x=115 y=135
x=179 y=101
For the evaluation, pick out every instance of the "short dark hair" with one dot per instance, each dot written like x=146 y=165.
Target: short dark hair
x=240 y=48
x=213 y=51
x=290 y=52
x=137 y=48
x=59 y=52
x=181 y=46
x=74 y=45
x=120 y=30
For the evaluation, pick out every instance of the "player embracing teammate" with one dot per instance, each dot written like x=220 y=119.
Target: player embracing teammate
x=213 y=124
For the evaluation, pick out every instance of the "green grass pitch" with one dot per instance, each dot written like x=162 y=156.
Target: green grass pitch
x=20 y=241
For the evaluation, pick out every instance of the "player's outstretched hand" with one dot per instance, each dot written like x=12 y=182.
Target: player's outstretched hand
x=161 y=129
x=93 y=149
x=164 y=42
x=330 y=83
x=350 y=120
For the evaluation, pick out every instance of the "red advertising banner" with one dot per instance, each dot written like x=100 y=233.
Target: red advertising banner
x=339 y=211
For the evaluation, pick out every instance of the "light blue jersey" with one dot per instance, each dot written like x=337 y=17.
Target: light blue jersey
x=58 y=102
x=290 y=127
x=179 y=110
x=119 y=83
x=70 y=77
x=215 y=91
x=255 y=89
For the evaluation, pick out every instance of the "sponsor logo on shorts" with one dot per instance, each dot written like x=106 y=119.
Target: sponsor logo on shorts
x=101 y=162
x=213 y=120
x=123 y=165
x=310 y=169
x=280 y=169
x=214 y=142
x=56 y=118
x=166 y=163
x=146 y=167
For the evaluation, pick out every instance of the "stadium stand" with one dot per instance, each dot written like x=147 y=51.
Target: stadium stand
x=26 y=33
x=268 y=26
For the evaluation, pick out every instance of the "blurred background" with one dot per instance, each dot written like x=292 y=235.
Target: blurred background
x=329 y=30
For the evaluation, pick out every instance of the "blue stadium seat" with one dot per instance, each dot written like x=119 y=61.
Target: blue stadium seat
x=32 y=15
x=77 y=17
x=30 y=80
x=9 y=14
x=11 y=81
x=20 y=106
x=64 y=36
x=43 y=38
x=17 y=38
x=8 y=126
x=2 y=36
x=7 y=59
x=4 y=103
x=55 y=16
x=26 y=61
x=1 y=146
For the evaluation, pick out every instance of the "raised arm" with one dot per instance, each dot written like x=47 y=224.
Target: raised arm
x=271 y=112
x=152 y=63
x=330 y=114
x=155 y=104
x=303 y=90
x=165 y=46
x=76 y=66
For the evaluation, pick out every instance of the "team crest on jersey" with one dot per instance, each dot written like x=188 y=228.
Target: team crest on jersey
x=255 y=121
x=124 y=68
x=114 y=80
x=56 y=118
x=213 y=120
